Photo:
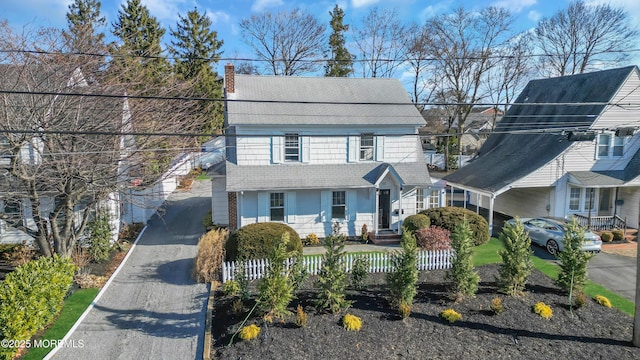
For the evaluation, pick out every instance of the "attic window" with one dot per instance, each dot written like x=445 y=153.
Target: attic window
x=291 y=147
x=366 y=147
x=610 y=146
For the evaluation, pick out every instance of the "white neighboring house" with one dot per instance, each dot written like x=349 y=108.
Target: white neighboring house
x=31 y=153
x=309 y=152
x=557 y=159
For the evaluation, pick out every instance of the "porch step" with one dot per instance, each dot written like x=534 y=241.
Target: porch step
x=385 y=238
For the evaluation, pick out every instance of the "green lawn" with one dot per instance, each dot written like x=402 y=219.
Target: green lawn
x=73 y=307
x=203 y=176
x=488 y=254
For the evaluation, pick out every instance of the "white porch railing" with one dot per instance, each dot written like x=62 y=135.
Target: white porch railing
x=379 y=262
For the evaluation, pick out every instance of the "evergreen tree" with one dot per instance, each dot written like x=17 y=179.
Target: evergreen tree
x=462 y=274
x=332 y=279
x=138 y=53
x=573 y=260
x=84 y=37
x=277 y=287
x=516 y=259
x=402 y=280
x=341 y=62
x=197 y=50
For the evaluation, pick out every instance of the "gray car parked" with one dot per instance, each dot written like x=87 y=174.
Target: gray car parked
x=550 y=234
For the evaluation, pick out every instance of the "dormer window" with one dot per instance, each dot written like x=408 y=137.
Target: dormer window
x=610 y=146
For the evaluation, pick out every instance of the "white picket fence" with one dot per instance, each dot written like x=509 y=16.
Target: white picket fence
x=378 y=263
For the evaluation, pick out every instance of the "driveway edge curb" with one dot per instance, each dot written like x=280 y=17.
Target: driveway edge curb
x=208 y=322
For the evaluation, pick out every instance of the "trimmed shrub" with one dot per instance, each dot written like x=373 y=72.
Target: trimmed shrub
x=352 y=322
x=17 y=254
x=606 y=236
x=231 y=288
x=359 y=272
x=448 y=217
x=254 y=241
x=602 y=301
x=208 y=264
x=580 y=300
x=543 y=310
x=312 y=239
x=364 y=233
x=249 y=332
x=31 y=297
x=451 y=315
x=618 y=235
x=416 y=222
x=433 y=238
x=496 y=305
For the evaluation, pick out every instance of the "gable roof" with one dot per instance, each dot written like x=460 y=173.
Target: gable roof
x=506 y=157
x=311 y=176
x=288 y=100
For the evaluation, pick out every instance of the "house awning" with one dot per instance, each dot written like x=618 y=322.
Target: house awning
x=329 y=176
x=593 y=179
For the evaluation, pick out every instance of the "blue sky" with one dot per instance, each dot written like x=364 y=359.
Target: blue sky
x=227 y=14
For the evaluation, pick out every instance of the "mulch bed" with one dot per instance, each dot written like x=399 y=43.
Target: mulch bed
x=591 y=332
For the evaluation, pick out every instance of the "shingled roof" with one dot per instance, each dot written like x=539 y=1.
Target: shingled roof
x=290 y=100
x=507 y=156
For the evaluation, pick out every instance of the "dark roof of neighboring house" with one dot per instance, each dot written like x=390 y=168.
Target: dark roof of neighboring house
x=293 y=100
x=310 y=176
x=506 y=157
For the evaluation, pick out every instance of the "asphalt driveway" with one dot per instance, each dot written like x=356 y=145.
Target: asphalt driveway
x=153 y=309
x=615 y=272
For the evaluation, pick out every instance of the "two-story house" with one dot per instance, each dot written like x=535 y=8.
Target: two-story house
x=310 y=152
x=568 y=146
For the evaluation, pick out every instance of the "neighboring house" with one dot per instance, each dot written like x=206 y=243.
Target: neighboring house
x=310 y=152
x=576 y=153
x=477 y=128
x=31 y=151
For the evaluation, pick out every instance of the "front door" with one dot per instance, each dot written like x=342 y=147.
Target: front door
x=384 y=209
x=604 y=202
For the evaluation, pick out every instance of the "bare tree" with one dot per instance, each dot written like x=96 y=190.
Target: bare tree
x=288 y=42
x=382 y=42
x=63 y=141
x=463 y=46
x=583 y=37
x=422 y=69
x=512 y=72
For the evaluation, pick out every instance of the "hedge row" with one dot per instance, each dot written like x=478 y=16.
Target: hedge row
x=254 y=241
x=31 y=297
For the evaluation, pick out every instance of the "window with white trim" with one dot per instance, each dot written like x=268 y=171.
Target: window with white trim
x=581 y=199
x=434 y=199
x=276 y=206
x=574 y=199
x=338 y=205
x=367 y=146
x=291 y=147
x=610 y=146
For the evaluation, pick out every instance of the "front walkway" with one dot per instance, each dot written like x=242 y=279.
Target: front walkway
x=153 y=309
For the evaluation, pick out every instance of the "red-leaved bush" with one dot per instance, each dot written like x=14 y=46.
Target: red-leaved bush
x=433 y=238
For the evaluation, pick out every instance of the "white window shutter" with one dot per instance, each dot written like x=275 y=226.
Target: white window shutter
x=353 y=148
x=325 y=206
x=277 y=149
x=306 y=148
x=290 y=206
x=263 y=207
x=379 y=148
x=352 y=204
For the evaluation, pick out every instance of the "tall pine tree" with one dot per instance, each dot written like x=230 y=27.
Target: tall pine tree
x=197 y=50
x=137 y=55
x=341 y=62
x=84 y=36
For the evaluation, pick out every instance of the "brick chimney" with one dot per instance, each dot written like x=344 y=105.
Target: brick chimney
x=229 y=79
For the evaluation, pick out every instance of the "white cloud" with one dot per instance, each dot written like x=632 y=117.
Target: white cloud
x=260 y=5
x=168 y=9
x=515 y=6
x=363 y=3
x=218 y=16
x=534 y=15
x=435 y=9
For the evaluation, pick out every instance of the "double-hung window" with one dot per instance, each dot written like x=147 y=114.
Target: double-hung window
x=366 y=147
x=291 y=147
x=277 y=206
x=434 y=199
x=581 y=199
x=338 y=205
x=610 y=146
